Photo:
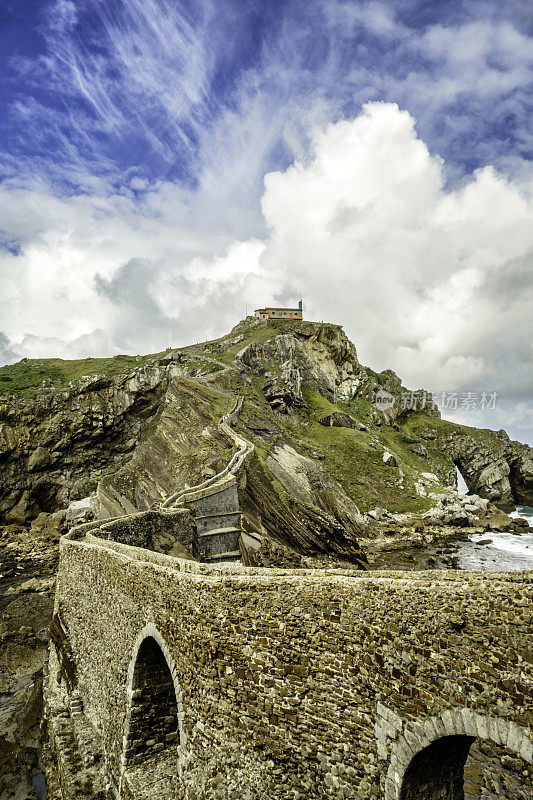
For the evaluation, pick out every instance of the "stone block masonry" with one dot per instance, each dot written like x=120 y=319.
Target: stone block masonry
x=218 y=522
x=287 y=683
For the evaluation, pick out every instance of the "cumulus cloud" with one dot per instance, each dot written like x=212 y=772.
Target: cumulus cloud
x=431 y=281
x=7 y=354
x=412 y=269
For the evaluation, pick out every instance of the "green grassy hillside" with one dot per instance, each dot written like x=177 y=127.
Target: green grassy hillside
x=25 y=377
x=354 y=458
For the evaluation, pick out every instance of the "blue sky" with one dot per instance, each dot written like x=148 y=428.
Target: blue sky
x=118 y=88
x=151 y=153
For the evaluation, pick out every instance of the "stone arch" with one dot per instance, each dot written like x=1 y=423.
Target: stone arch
x=150 y=661
x=449 y=737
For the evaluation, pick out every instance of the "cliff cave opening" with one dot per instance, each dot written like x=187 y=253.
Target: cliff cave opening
x=153 y=724
x=464 y=768
x=462 y=486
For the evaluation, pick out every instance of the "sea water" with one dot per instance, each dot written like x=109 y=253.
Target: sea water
x=506 y=551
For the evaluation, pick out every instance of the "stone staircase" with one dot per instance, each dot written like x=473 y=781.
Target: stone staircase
x=215 y=502
x=218 y=521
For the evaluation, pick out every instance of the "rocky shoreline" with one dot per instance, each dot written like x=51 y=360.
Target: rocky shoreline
x=430 y=540
x=411 y=550
x=28 y=559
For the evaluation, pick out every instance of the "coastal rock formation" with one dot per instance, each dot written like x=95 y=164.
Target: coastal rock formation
x=284 y=393
x=394 y=403
x=520 y=462
x=55 y=448
x=310 y=356
x=296 y=532
x=132 y=438
x=494 y=467
x=59 y=446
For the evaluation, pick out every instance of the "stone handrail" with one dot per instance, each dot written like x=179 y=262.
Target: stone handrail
x=234 y=464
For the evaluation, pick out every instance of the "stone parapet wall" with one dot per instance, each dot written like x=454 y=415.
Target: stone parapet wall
x=296 y=683
x=151 y=530
x=219 y=501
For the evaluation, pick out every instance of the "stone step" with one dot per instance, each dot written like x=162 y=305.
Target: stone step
x=229 y=513
x=231 y=555
x=222 y=520
x=218 y=531
x=219 y=540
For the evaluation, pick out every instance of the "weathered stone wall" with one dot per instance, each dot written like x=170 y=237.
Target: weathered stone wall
x=493 y=771
x=297 y=683
x=223 y=503
x=153 y=530
x=141 y=530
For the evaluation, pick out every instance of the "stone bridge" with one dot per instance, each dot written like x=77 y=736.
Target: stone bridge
x=174 y=679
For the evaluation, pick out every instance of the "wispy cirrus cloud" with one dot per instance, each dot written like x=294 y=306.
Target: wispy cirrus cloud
x=64 y=16
x=149 y=86
x=130 y=77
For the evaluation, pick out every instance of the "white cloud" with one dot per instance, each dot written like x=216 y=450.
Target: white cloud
x=519 y=416
x=63 y=16
x=411 y=269
x=432 y=282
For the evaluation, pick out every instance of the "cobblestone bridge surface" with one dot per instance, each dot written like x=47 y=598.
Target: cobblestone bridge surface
x=174 y=679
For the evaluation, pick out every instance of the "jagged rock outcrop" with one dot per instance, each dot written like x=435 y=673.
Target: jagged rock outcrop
x=393 y=402
x=323 y=358
x=283 y=394
x=310 y=522
x=55 y=448
x=338 y=419
x=62 y=445
x=459 y=510
x=520 y=462
x=315 y=357
x=494 y=467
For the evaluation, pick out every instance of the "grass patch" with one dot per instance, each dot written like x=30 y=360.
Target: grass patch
x=353 y=462
x=26 y=376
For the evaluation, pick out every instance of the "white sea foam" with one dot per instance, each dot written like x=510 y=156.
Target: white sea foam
x=526 y=512
x=506 y=551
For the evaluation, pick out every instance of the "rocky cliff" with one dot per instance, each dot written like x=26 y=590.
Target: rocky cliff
x=55 y=448
x=499 y=469
x=331 y=468
x=135 y=438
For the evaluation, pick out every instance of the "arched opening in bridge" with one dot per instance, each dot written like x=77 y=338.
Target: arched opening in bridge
x=153 y=723
x=465 y=768
x=437 y=771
